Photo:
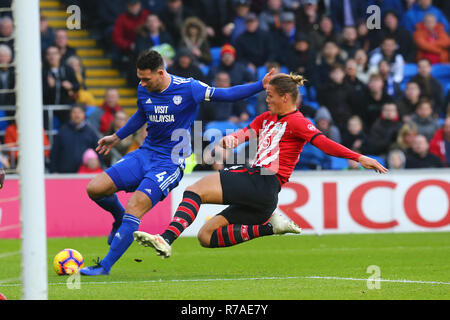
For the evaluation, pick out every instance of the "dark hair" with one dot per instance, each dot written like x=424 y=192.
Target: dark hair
x=150 y=60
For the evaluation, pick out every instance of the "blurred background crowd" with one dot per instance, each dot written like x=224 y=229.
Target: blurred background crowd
x=380 y=91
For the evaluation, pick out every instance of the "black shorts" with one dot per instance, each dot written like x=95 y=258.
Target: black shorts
x=252 y=196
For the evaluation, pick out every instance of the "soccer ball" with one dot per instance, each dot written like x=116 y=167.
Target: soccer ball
x=67 y=262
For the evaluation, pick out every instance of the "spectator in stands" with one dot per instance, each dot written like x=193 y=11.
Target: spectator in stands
x=11 y=141
x=373 y=101
x=351 y=79
x=337 y=97
x=215 y=14
x=432 y=41
x=151 y=34
x=184 y=66
x=407 y=105
x=47 y=35
x=418 y=11
x=440 y=143
x=120 y=118
x=329 y=56
x=90 y=163
x=7 y=77
x=420 y=157
x=388 y=51
x=424 y=120
x=349 y=43
x=396 y=160
x=83 y=96
x=405 y=137
x=364 y=69
x=345 y=12
x=307 y=16
x=61 y=41
x=300 y=59
x=324 y=122
x=284 y=38
x=106 y=15
x=269 y=19
x=325 y=33
x=392 y=88
x=59 y=83
x=384 y=131
x=195 y=39
x=6 y=31
x=236 y=26
x=235 y=112
x=364 y=40
x=125 y=29
x=391 y=28
x=354 y=137
x=72 y=140
x=238 y=72
x=110 y=106
x=253 y=46
x=173 y=17
x=387 y=6
x=429 y=86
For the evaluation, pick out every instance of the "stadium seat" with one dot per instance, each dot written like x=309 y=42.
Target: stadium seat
x=338 y=163
x=205 y=70
x=215 y=54
x=441 y=72
x=224 y=128
x=409 y=71
x=380 y=159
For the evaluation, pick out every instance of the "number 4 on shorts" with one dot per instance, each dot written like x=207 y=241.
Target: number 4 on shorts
x=160 y=176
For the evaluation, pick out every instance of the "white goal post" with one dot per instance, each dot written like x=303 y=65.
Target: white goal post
x=29 y=117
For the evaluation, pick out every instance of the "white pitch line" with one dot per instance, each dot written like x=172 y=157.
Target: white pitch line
x=241 y=279
x=9 y=254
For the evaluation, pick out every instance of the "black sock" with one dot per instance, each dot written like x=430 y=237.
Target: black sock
x=184 y=216
x=233 y=234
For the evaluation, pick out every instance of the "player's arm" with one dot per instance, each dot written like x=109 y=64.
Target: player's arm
x=2 y=176
x=136 y=121
x=335 y=149
x=233 y=140
x=239 y=92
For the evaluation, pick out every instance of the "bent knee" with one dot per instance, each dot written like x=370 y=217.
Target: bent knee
x=204 y=238
x=99 y=187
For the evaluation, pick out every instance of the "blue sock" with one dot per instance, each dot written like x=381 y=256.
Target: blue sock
x=122 y=240
x=112 y=204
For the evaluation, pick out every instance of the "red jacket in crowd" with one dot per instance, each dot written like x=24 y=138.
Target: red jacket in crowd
x=108 y=116
x=124 y=32
x=437 y=145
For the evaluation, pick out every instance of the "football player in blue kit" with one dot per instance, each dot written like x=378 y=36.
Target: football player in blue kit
x=168 y=105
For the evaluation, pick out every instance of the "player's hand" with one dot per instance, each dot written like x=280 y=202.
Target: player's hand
x=268 y=77
x=229 y=142
x=2 y=177
x=105 y=144
x=370 y=163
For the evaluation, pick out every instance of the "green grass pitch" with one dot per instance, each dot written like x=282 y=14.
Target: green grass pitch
x=412 y=266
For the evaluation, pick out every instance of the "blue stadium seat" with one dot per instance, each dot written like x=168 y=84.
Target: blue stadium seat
x=380 y=159
x=441 y=72
x=338 y=163
x=410 y=70
x=447 y=88
x=224 y=127
x=215 y=54
x=205 y=69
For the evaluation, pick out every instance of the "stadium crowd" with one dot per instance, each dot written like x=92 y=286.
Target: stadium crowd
x=379 y=91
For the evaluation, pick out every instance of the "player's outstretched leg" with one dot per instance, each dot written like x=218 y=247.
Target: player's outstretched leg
x=233 y=234
x=184 y=216
x=101 y=189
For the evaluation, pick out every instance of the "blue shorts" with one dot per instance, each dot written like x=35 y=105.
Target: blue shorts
x=148 y=171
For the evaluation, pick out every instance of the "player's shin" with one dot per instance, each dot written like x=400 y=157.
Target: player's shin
x=184 y=216
x=233 y=234
x=122 y=240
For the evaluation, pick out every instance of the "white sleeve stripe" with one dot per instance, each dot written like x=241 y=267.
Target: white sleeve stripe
x=208 y=93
